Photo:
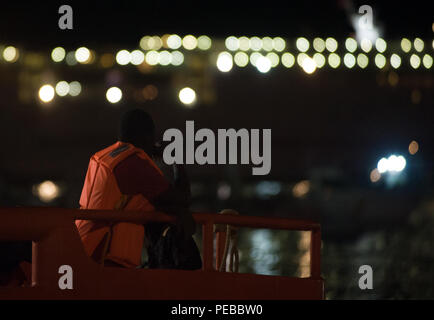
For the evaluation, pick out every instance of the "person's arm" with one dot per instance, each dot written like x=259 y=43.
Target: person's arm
x=176 y=200
x=177 y=195
x=181 y=180
x=135 y=175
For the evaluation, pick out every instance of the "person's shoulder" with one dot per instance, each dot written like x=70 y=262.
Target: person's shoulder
x=106 y=150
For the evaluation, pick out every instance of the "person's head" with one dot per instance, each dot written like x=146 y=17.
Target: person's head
x=137 y=127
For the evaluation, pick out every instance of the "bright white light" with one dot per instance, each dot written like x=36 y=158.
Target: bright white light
x=380 y=60
x=47 y=191
x=148 y=43
x=302 y=44
x=351 y=44
x=405 y=45
x=331 y=44
x=381 y=45
x=274 y=59
x=366 y=45
x=383 y=165
x=232 y=43
x=165 y=58
x=241 y=59
x=363 y=32
x=177 y=58
x=255 y=43
x=244 y=43
x=395 y=163
x=418 y=44
x=114 y=95
x=58 y=54
x=319 y=44
x=263 y=64
x=174 y=41
x=144 y=42
x=152 y=57
x=401 y=163
x=155 y=43
x=82 y=55
x=427 y=61
x=74 y=88
x=254 y=57
x=392 y=164
x=300 y=58
x=204 y=42
x=288 y=60
x=395 y=61
x=189 y=42
x=137 y=57
x=123 y=57
x=279 y=44
x=349 y=60
x=187 y=96
x=46 y=93
x=224 y=61
x=319 y=60
x=10 y=54
x=308 y=65
x=415 y=61
x=362 y=60
x=334 y=60
x=62 y=88
x=267 y=43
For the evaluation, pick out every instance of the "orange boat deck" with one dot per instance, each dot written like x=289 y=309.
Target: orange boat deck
x=56 y=242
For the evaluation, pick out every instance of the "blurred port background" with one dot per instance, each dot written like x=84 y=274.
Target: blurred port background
x=351 y=113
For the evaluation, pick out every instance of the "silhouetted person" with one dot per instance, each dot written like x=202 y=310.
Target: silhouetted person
x=124 y=176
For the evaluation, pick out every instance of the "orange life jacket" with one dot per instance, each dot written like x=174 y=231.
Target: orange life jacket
x=100 y=191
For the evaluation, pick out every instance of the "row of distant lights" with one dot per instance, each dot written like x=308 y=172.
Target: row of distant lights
x=174 y=41
x=152 y=57
x=47 y=92
x=190 y=42
x=113 y=95
x=264 y=63
x=224 y=61
x=278 y=44
x=136 y=57
x=63 y=88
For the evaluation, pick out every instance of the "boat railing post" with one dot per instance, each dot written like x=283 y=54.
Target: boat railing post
x=315 y=253
x=208 y=245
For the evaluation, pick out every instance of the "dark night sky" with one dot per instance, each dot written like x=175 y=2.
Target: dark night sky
x=125 y=22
